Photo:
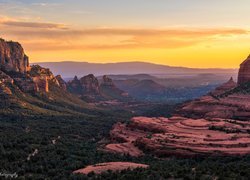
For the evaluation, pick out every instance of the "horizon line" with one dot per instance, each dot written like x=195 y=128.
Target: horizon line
x=75 y=61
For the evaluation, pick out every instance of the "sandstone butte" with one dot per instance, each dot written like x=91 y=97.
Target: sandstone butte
x=113 y=166
x=216 y=124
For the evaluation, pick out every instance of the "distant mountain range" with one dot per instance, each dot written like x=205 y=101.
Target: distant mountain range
x=69 y=69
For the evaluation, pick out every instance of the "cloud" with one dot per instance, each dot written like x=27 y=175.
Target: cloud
x=57 y=37
x=27 y=24
x=34 y=25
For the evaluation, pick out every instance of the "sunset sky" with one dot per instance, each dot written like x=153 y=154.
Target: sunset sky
x=191 y=33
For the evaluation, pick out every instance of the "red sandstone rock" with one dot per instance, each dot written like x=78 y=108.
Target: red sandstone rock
x=224 y=87
x=182 y=137
x=12 y=57
x=90 y=84
x=61 y=82
x=113 y=166
x=244 y=72
x=15 y=64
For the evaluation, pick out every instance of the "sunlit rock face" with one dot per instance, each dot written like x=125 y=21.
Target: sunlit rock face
x=14 y=65
x=244 y=72
x=12 y=57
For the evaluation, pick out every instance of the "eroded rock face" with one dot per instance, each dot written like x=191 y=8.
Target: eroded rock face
x=86 y=85
x=12 y=57
x=61 y=82
x=4 y=81
x=43 y=78
x=90 y=84
x=15 y=64
x=244 y=72
x=87 y=88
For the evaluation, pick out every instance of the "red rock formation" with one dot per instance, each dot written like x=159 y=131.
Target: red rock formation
x=244 y=72
x=113 y=166
x=42 y=77
x=224 y=87
x=74 y=86
x=106 y=81
x=90 y=84
x=15 y=63
x=218 y=104
x=12 y=57
x=182 y=137
x=61 y=82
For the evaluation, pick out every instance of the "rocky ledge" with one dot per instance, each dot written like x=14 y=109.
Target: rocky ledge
x=179 y=136
x=112 y=166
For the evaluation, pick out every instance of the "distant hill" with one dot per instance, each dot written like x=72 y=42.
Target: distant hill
x=69 y=69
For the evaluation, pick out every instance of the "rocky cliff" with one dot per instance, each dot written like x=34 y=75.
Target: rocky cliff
x=14 y=67
x=12 y=57
x=244 y=72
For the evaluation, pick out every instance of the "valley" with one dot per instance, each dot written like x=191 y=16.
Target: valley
x=144 y=126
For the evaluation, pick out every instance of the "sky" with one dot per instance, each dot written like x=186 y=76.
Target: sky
x=190 y=33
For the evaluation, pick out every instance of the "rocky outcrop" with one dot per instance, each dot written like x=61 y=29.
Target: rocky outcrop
x=89 y=89
x=244 y=72
x=12 y=57
x=106 y=81
x=5 y=80
x=231 y=84
x=108 y=88
x=180 y=136
x=223 y=102
x=15 y=64
x=90 y=84
x=61 y=82
x=74 y=86
x=109 y=166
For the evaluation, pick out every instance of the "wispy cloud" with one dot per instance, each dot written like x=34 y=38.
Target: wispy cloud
x=34 y=25
x=43 y=36
x=6 y=21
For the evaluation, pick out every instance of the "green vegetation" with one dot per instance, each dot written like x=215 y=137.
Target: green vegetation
x=67 y=143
